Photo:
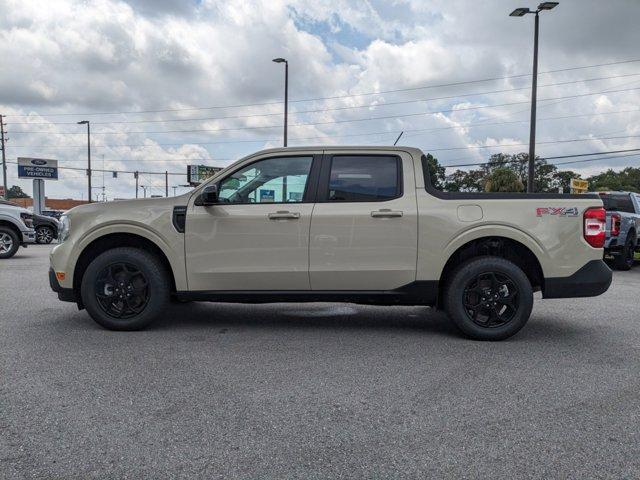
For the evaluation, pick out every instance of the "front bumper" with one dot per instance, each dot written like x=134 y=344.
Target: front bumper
x=28 y=236
x=64 y=294
x=591 y=280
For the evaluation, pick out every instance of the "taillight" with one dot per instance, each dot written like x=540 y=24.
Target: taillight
x=595 y=220
x=615 y=224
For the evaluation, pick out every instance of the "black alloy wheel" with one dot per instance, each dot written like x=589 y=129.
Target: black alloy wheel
x=491 y=299
x=488 y=298
x=121 y=290
x=44 y=235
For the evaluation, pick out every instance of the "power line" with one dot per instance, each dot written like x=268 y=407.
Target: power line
x=450 y=84
x=430 y=149
x=537 y=143
x=322 y=110
x=385 y=117
x=475 y=164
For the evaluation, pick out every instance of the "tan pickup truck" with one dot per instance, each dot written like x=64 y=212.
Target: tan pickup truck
x=339 y=224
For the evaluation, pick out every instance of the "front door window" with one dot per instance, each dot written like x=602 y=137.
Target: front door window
x=273 y=180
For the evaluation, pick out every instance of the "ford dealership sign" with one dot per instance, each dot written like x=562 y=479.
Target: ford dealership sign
x=37 y=168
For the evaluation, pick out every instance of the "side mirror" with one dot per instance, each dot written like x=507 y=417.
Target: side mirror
x=209 y=195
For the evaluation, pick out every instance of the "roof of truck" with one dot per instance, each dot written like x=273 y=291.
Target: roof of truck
x=333 y=148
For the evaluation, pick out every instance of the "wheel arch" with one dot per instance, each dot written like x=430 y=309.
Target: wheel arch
x=13 y=227
x=499 y=246
x=114 y=240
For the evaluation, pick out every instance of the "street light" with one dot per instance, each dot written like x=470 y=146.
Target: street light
x=520 y=12
x=86 y=122
x=286 y=93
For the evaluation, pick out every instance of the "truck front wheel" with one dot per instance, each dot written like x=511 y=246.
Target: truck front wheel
x=125 y=289
x=488 y=298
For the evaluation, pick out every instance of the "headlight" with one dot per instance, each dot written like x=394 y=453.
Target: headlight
x=64 y=228
x=27 y=219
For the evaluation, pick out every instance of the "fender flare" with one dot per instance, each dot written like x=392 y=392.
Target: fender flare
x=178 y=269
x=493 y=230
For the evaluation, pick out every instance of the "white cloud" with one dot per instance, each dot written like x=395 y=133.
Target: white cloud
x=107 y=55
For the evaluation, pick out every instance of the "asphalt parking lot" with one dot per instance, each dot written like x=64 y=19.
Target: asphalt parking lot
x=315 y=391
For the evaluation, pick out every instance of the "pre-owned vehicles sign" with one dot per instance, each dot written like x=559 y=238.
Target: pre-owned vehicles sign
x=37 y=168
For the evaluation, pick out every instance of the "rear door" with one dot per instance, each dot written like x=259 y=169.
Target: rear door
x=364 y=225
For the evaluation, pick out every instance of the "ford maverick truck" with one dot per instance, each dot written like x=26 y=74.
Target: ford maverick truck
x=339 y=224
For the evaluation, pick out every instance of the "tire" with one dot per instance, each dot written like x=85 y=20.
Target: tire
x=110 y=276
x=9 y=242
x=44 y=235
x=625 y=260
x=480 y=279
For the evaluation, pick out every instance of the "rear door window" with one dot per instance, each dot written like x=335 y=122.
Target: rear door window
x=364 y=178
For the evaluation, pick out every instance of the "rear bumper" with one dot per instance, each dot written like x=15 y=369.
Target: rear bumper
x=591 y=280
x=64 y=294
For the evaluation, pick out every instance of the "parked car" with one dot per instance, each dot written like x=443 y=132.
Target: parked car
x=16 y=228
x=348 y=224
x=46 y=228
x=623 y=225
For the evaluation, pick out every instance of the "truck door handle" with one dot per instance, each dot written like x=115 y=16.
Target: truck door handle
x=386 y=212
x=283 y=215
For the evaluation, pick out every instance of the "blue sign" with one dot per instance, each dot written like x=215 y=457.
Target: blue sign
x=37 y=168
x=267 y=196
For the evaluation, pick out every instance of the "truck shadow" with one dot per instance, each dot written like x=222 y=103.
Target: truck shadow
x=202 y=315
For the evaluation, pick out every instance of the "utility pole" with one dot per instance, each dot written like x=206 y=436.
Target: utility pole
x=86 y=122
x=166 y=183
x=4 y=158
x=135 y=175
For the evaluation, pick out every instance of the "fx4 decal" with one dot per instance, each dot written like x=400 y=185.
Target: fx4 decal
x=560 y=211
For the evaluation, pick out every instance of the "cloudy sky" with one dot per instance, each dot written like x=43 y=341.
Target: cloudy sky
x=166 y=83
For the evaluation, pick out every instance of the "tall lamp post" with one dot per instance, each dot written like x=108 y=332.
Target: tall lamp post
x=286 y=93
x=520 y=12
x=86 y=122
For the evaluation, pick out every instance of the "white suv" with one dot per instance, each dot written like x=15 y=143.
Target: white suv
x=16 y=228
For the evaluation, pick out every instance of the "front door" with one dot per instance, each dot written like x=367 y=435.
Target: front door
x=364 y=225
x=257 y=236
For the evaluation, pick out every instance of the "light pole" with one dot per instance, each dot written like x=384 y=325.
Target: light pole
x=86 y=122
x=520 y=12
x=286 y=93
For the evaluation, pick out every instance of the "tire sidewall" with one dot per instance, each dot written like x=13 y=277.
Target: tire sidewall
x=14 y=247
x=154 y=273
x=464 y=274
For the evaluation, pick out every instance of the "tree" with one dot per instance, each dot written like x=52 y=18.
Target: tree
x=16 y=192
x=627 y=179
x=562 y=179
x=436 y=172
x=465 y=181
x=503 y=179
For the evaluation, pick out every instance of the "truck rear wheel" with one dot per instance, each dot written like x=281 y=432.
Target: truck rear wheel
x=125 y=289
x=489 y=298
